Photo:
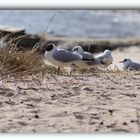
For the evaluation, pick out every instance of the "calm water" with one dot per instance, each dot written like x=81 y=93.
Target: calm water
x=76 y=23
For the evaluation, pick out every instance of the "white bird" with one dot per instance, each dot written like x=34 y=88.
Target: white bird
x=79 y=50
x=88 y=60
x=128 y=64
x=105 y=58
x=61 y=57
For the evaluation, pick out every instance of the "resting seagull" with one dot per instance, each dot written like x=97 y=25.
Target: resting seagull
x=79 y=49
x=128 y=64
x=61 y=57
x=105 y=58
x=88 y=60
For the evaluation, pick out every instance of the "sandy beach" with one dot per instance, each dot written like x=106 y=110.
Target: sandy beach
x=82 y=103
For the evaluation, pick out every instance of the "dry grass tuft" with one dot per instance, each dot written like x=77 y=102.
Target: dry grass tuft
x=14 y=62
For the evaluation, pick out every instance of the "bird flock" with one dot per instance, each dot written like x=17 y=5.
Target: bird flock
x=82 y=59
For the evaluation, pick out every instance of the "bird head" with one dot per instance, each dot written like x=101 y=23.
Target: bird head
x=78 y=49
x=126 y=61
x=107 y=52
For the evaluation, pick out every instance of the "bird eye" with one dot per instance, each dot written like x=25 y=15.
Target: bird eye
x=75 y=49
x=125 y=60
x=49 y=47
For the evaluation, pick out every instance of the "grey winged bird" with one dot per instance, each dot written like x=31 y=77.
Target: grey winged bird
x=79 y=49
x=105 y=58
x=89 y=61
x=60 y=57
x=128 y=64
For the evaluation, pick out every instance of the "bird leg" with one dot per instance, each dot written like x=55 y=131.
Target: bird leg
x=58 y=70
x=70 y=71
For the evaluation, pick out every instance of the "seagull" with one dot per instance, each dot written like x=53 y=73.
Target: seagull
x=88 y=60
x=105 y=58
x=128 y=64
x=60 y=57
x=79 y=50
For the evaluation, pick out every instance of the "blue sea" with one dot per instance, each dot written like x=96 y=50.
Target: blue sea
x=75 y=23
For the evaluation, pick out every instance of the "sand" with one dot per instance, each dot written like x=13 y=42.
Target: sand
x=82 y=103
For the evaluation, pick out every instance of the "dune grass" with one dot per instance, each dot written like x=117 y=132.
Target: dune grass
x=13 y=61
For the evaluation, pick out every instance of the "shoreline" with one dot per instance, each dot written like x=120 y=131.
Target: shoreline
x=28 y=41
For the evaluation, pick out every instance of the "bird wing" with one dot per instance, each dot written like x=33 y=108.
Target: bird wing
x=87 y=55
x=66 y=56
x=105 y=60
x=134 y=66
x=93 y=61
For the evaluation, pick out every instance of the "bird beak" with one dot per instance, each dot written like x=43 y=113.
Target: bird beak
x=120 y=61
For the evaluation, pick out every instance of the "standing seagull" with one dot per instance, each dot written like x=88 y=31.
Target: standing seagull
x=128 y=64
x=105 y=58
x=88 y=60
x=60 y=57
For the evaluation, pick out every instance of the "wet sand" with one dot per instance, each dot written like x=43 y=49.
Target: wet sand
x=82 y=103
